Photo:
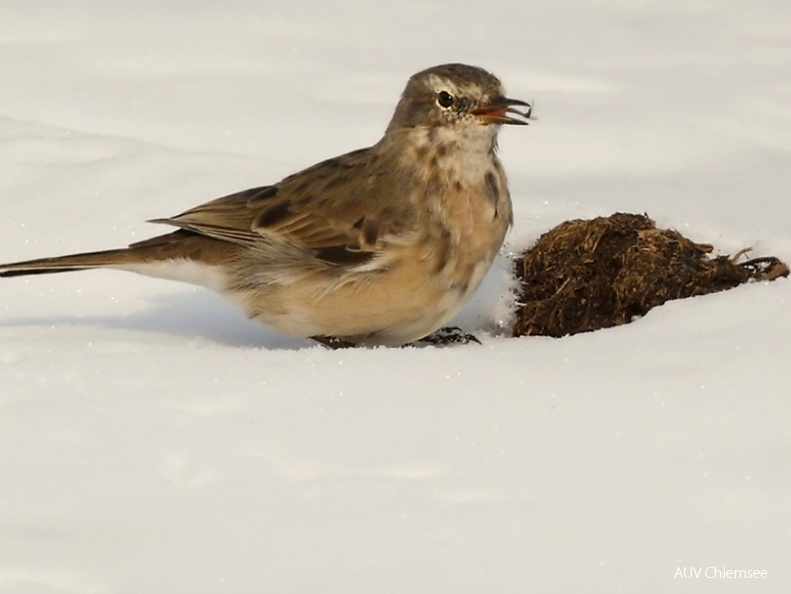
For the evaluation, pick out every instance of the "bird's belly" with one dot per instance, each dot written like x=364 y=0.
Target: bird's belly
x=391 y=306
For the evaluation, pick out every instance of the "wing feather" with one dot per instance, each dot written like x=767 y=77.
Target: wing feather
x=331 y=209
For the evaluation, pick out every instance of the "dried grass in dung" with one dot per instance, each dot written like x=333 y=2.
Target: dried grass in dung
x=586 y=275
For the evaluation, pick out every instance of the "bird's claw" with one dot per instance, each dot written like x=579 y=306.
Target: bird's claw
x=449 y=336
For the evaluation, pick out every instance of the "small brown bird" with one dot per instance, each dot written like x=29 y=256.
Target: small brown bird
x=380 y=246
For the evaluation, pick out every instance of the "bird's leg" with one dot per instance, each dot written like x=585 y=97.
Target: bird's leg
x=333 y=342
x=449 y=336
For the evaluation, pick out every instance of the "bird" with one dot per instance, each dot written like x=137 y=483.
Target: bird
x=380 y=246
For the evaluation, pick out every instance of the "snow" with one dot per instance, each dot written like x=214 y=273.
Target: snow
x=154 y=440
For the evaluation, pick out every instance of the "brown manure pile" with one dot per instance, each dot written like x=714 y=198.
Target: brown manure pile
x=586 y=275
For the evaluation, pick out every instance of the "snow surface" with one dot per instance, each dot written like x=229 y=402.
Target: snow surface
x=154 y=440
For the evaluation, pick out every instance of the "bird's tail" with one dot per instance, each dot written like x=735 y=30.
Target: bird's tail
x=85 y=261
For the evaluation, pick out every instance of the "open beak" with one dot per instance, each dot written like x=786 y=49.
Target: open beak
x=498 y=109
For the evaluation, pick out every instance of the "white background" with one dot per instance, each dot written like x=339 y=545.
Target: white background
x=154 y=440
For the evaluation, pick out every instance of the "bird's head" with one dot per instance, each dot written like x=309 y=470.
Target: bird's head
x=457 y=97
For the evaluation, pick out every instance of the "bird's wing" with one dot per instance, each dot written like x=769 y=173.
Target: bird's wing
x=333 y=209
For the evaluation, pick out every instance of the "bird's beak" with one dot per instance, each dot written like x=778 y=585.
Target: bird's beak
x=497 y=110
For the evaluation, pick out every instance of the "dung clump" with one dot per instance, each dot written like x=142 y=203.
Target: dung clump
x=585 y=275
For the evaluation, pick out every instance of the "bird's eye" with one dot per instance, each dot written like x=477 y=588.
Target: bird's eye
x=444 y=99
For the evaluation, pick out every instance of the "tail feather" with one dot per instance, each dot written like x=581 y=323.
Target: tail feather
x=181 y=255
x=85 y=261
x=179 y=244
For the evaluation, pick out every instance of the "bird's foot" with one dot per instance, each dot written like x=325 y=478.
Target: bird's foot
x=333 y=342
x=449 y=336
